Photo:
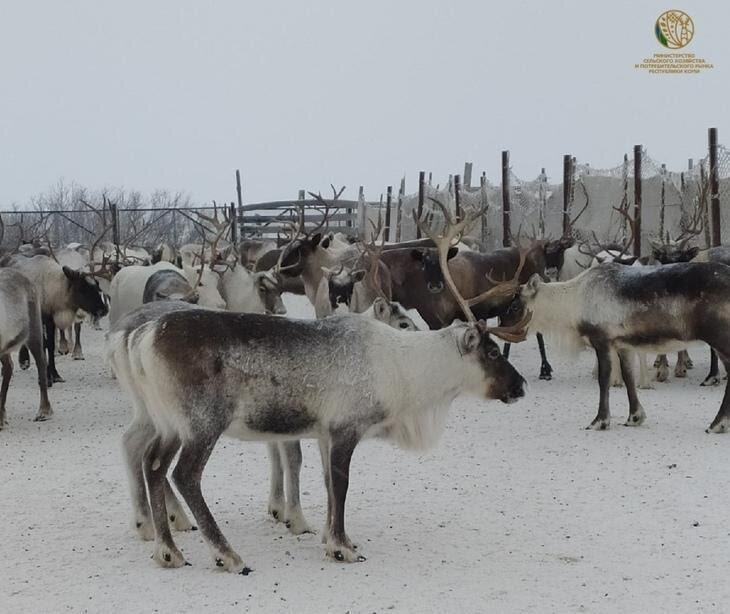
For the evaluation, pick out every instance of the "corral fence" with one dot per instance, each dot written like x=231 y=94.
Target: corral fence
x=659 y=200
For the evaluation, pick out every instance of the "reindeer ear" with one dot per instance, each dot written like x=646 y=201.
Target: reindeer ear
x=381 y=309
x=159 y=296
x=70 y=273
x=358 y=275
x=470 y=340
x=532 y=286
x=315 y=239
x=692 y=252
x=326 y=242
x=452 y=252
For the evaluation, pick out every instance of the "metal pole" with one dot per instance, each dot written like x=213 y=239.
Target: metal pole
x=457 y=202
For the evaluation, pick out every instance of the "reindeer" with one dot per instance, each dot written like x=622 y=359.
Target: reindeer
x=617 y=308
x=261 y=377
x=21 y=325
x=62 y=293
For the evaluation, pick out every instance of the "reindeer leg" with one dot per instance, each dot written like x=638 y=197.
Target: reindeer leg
x=35 y=345
x=636 y=411
x=23 y=358
x=295 y=521
x=688 y=362
x=713 y=377
x=662 y=372
x=156 y=461
x=324 y=452
x=680 y=369
x=136 y=439
x=7 y=372
x=187 y=475
x=62 y=342
x=339 y=546
x=721 y=423
x=276 y=489
x=546 y=371
x=644 y=381
x=78 y=352
x=603 y=419
x=53 y=375
x=616 y=380
x=175 y=511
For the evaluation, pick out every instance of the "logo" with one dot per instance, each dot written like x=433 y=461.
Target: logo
x=674 y=29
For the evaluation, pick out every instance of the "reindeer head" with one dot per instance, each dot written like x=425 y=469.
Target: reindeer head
x=670 y=251
x=392 y=314
x=268 y=285
x=307 y=246
x=555 y=252
x=85 y=292
x=428 y=258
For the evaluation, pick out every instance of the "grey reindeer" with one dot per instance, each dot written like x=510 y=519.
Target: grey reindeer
x=21 y=324
x=197 y=374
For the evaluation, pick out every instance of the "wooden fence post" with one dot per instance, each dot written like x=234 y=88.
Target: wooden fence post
x=457 y=202
x=662 y=200
x=361 y=214
x=506 y=222
x=234 y=226
x=637 y=200
x=421 y=194
x=399 y=211
x=714 y=188
x=238 y=217
x=567 y=180
x=388 y=204
x=467 y=174
x=483 y=203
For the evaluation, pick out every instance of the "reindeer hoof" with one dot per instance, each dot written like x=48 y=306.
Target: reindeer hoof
x=546 y=376
x=719 y=426
x=662 y=374
x=599 y=425
x=297 y=524
x=168 y=557
x=711 y=380
x=345 y=555
x=232 y=562
x=276 y=510
x=24 y=365
x=41 y=418
x=680 y=372
x=688 y=363
x=636 y=419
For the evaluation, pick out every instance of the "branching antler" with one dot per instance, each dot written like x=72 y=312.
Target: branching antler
x=452 y=230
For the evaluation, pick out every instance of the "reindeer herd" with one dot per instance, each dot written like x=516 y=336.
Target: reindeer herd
x=198 y=341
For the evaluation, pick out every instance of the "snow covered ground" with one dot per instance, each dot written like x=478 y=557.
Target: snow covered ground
x=517 y=510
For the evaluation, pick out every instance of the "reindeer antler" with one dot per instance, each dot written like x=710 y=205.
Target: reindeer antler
x=453 y=229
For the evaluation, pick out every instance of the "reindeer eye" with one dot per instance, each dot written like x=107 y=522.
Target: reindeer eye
x=494 y=353
x=404 y=324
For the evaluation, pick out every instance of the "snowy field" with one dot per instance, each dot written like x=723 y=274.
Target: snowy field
x=517 y=510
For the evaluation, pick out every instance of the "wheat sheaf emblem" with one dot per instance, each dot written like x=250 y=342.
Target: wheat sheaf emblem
x=674 y=29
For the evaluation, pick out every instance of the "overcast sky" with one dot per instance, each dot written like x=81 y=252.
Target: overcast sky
x=178 y=94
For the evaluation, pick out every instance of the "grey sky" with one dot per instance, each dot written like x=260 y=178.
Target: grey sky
x=177 y=94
